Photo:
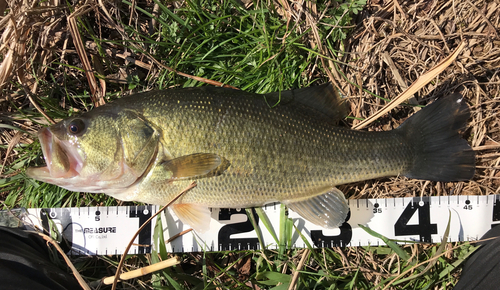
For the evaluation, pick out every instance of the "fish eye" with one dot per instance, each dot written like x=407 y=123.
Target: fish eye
x=76 y=126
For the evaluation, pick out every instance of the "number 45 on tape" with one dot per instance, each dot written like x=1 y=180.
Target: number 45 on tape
x=108 y=230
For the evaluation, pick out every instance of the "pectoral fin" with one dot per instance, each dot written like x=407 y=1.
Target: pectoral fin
x=196 y=165
x=196 y=216
x=328 y=210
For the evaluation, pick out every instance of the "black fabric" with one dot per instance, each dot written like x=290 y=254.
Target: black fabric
x=482 y=269
x=25 y=263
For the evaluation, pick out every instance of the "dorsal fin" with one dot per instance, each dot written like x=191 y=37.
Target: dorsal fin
x=323 y=98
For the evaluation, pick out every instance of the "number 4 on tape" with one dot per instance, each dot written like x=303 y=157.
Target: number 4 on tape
x=425 y=229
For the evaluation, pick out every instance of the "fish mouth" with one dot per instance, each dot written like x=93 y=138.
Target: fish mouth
x=62 y=158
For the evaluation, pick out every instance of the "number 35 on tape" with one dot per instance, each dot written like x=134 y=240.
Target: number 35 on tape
x=108 y=230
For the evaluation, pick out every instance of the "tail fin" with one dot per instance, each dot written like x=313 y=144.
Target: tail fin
x=440 y=154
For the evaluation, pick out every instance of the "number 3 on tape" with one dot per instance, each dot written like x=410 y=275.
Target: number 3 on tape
x=341 y=240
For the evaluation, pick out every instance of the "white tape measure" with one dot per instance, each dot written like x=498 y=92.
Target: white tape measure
x=108 y=230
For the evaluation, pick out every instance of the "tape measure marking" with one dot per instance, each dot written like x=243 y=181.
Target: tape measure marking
x=108 y=230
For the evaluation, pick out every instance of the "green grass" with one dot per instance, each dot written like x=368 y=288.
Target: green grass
x=253 y=49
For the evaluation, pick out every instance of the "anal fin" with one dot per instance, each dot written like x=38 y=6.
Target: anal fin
x=328 y=210
x=196 y=216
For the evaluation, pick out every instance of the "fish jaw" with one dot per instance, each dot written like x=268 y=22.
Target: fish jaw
x=57 y=152
x=63 y=159
x=65 y=167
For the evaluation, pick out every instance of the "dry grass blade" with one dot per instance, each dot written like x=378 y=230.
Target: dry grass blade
x=493 y=28
x=200 y=79
x=97 y=95
x=295 y=277
x=144 y=270
x=32 y=101
x=413 y=88
x=122 y=260
x=388 y=60
x=115 y=53
x=67 y=260
x=178 y=235
x=6 y=66
x=15 y=140
x=35 y=104
x=14 y=39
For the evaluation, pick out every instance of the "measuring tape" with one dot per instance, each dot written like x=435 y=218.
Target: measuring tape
x=108 y=230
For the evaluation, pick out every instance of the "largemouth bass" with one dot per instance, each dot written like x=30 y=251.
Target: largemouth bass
x=242 y=153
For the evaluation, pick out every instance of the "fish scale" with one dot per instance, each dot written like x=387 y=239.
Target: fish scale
x=296 y=162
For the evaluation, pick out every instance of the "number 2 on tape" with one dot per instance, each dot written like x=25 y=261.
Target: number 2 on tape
x=424 y=229
x=224 y=237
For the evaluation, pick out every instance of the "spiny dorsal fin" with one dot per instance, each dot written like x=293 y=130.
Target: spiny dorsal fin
x=324 y=98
